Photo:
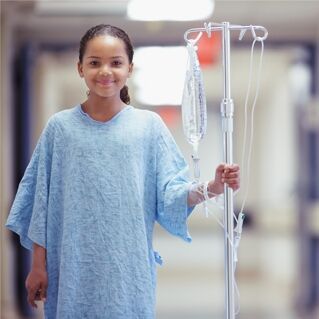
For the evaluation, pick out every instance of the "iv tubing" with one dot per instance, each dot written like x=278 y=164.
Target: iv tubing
x=252 y=118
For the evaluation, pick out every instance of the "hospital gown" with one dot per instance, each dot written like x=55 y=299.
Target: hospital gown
x=91 y=195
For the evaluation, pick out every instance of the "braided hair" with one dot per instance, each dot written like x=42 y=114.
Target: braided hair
x=106 y=29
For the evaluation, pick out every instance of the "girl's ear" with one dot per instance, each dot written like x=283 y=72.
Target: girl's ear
x=80 y=69
x=130 y=69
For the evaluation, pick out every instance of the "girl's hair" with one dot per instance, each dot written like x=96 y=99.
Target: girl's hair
x=106 y=29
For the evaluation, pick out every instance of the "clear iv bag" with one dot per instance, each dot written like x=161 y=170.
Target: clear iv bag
x=194 y=111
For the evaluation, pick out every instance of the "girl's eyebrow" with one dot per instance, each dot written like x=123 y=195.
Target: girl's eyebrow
x=113 y=57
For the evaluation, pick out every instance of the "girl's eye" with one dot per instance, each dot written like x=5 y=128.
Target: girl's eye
x=94 y=63
x=117 y=63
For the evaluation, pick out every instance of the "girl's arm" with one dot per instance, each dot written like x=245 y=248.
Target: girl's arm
x=225 y=174
x=37 y=280
x=39 y=256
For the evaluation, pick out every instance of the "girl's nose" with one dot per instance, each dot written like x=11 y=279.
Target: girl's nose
x=105 y=70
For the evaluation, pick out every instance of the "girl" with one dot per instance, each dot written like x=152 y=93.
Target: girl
x=102 y=173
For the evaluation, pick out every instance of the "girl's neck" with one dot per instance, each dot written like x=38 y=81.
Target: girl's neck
x=102 y=109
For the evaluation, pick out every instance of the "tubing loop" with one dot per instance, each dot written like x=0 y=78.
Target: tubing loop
x=259 y=38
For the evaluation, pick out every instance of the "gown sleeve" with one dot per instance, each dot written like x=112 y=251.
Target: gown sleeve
x=172 y=183
x=28 y=215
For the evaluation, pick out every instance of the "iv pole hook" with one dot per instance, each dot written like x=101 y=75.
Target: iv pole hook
x=258 y=38
x=253 y=32
x=193 y=41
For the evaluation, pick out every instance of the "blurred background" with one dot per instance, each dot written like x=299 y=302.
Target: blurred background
x=278 y=270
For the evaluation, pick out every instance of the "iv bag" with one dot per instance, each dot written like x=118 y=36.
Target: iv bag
x=194 y=111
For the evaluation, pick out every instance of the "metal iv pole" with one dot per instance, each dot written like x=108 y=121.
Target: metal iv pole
x=227 y=111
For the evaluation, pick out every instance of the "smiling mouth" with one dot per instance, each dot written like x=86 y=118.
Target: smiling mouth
x=105 y=83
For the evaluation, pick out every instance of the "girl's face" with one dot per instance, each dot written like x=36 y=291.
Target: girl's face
x=105 y=66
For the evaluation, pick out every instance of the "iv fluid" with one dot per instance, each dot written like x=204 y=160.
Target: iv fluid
x=194 y=111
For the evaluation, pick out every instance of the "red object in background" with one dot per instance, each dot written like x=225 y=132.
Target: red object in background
x=171 y=115
x=209 y=48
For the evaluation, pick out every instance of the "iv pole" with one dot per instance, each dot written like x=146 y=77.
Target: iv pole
x=227 y=111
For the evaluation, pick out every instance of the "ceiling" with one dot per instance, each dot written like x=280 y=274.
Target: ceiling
x=288 y=21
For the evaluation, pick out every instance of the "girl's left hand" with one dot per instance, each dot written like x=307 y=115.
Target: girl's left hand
x=225 y=173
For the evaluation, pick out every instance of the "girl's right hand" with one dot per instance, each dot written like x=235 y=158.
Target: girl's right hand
x=36 y=284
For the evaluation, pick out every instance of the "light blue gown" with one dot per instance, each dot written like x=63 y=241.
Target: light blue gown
x=91 y=195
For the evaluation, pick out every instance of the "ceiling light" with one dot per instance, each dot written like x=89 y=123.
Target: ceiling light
x=170 y=10
x=79 y=7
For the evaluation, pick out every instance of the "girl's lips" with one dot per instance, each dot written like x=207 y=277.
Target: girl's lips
x=105 y=82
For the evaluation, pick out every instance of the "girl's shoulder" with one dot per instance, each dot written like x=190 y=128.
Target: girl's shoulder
x=58 y=123
x=64 y=116
x=148 y=116
x=62 y=119
x=148 y=121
